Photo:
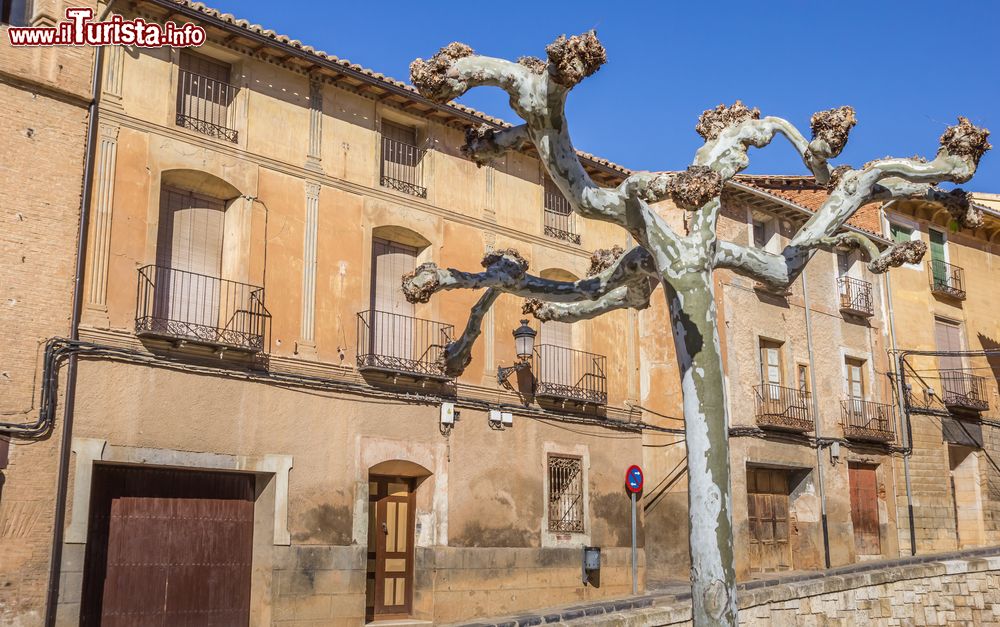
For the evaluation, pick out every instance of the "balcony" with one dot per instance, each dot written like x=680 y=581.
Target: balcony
x=395 y=344
x=856 y=297
x=402 y=168
x=189 y=307
x=564 y=374
x=781 y=408
x=946 y=279
x=867 y=421
x=963 y=392
x=205 y=105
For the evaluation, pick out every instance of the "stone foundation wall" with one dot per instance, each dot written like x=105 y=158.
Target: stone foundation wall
x=956 y=589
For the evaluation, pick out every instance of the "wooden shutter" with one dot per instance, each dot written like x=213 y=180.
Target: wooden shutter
x=392 y=324
x=899 y=233
x=948 y=337
x=189 y=256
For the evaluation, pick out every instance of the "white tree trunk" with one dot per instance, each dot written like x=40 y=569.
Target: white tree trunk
x=706 y=425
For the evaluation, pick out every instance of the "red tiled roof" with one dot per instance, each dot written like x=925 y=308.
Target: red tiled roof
x=805 y=192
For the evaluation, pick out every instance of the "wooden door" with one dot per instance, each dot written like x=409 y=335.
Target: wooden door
x=390 y=547
x=556 y=361
x=768 y=518
x=864 y=509
x=168 y=547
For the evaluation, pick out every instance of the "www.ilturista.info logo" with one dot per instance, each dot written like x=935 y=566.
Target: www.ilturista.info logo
x=79 y=29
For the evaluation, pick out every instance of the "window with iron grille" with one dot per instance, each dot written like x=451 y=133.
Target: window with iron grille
x=15 y=12
x=402 y=166
x=565 y=494
x=205 y=98
x=559 y=218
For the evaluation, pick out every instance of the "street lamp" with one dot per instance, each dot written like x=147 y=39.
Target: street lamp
x=524 y=346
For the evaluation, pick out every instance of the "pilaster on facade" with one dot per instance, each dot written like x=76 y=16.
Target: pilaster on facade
x=114 y=67
x=96 y=311
x=314 y=156
x=307 y=343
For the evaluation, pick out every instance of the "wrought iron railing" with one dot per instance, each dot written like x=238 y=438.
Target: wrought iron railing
x=401 y=344
x=559 y=219
x=961 y=390
x=867 y=420
x=206 y=105
x=784 y=408
x=182 y=305
x=946 y=279
x=403 y=167
x=567 y=374
x=856 y=296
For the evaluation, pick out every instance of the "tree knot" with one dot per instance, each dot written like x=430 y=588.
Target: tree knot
x=507 y=260
x=575 y=58
x=420 y=284
x=832 y=127
x=712 y=122
x=898 y=254
x=965 y=140
x=430 y=77
x=534 y=64
x=837 y=175
x=958 y=202
x=604 y=258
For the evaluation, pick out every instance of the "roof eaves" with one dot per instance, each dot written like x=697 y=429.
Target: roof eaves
x=294 y=47
x=803 y=210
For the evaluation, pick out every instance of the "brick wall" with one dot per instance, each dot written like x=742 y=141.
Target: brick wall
x=40 y=182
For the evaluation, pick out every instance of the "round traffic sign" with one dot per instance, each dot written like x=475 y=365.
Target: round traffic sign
x=633 y=479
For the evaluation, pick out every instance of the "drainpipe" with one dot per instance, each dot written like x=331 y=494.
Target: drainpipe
x=55 y=564
x=904 y=427
x=816 y=430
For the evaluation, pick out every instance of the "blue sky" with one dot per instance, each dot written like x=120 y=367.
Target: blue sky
x=908 y=68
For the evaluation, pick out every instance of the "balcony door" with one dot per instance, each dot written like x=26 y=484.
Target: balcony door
x=855 y=384
x=939 y=258
x=392 y=325
x=557 y=360
x=771 y=370
x=189 y=260
x=948 y=338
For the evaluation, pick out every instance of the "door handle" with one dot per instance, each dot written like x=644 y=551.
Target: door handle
x=385 y=529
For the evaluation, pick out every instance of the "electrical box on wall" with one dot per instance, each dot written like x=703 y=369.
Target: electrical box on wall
x=447 y=413
x=494 y=416
x=507 y=419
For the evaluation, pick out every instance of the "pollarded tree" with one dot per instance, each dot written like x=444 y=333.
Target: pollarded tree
x=683 y=264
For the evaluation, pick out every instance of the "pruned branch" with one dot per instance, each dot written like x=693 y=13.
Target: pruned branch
x=619 y=280
x=962 y=146
x=537 y=91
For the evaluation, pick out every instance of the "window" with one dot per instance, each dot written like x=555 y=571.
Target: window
x=855 y=370
x=759 y=234
x=15 y=12
x=205 y=97
x=803 y=378
x=565 y=494
x=392 y=320
x=402 y=162
x=770 y=362
x=559 y=220
x=899 y=233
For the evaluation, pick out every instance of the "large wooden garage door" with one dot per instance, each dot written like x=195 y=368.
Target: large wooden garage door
x=767 y=509
x=168 y=547
x=864 y=509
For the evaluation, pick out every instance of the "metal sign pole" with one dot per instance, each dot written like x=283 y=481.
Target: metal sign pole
x=635 y=565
